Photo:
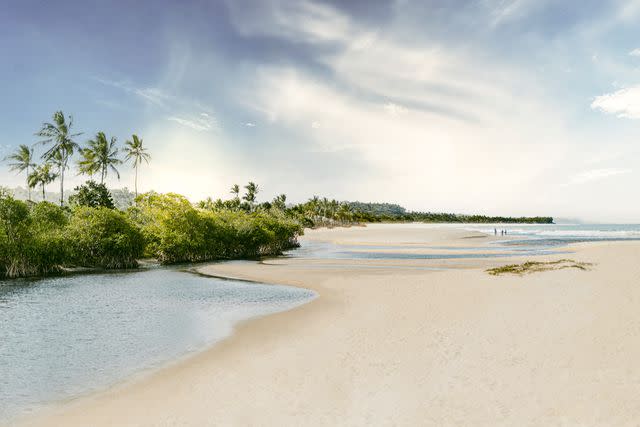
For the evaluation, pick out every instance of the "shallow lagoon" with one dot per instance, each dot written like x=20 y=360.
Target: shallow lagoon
x=67 y=336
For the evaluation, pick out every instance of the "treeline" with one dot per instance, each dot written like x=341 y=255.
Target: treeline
x=477 y=219
x=43 y=238
x=378 y=209
x=322 y=212
x=433 y=217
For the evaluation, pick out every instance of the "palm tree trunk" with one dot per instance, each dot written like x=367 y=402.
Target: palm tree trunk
x=62 y=186
x=65 y=156
x=136 y=182
x=28 y=186
x=43 y=196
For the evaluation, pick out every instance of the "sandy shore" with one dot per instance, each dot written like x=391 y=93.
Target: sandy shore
x=404 y=343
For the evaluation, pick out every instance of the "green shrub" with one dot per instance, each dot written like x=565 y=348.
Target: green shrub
x=43 y=238
x=103 y=237
x=29 y=247
x=48 y=216
x=14 y=235
x=176 y=231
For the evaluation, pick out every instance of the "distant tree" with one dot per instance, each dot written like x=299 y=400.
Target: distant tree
x=101 y=155
x=280 y=202
x=93 y=195
x=22 y=161
x=345 y=213
x=235 y=190
x=136 y=153
x=58 y=136
x=42 y=176
x=252 y=192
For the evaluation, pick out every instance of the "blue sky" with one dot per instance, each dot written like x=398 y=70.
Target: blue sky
x=493 y=106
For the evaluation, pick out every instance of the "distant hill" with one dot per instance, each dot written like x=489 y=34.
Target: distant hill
x=378 y=209
x=122 y=197
x=395 y=212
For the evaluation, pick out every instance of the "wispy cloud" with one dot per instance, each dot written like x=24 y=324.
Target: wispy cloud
x=303 y=20
x=505 y=10
x=250 y=124
x=635 y=52
x=151 y=95
x=202 y=122
x=596 y=175
x=624 y=103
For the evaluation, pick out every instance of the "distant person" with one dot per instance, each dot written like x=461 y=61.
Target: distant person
x=495 y=231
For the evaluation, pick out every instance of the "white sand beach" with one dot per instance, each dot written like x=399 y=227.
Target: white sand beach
x=397 y=343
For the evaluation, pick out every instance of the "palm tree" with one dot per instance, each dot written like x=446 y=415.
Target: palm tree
x=58 y=135
x=101 y=155
x=87 y=164
x=42 y=176
x=235 y=190
x=137 y=154
x=22 y=161
x=252 y=191
x=345 y=213
x=280 y=202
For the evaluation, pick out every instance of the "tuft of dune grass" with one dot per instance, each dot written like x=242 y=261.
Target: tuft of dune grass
x=538 y=266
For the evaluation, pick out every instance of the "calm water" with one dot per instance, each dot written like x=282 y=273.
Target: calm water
x=67 y=336
x=553 y=235
x=529 y=240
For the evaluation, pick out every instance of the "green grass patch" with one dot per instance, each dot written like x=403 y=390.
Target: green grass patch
x=538 y=266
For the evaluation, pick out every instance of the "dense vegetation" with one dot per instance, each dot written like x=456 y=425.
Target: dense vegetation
x=378 y=209
x=389 y=212
x=467 y=219
x=42 y=238
x=324 y=212
x=176 y=231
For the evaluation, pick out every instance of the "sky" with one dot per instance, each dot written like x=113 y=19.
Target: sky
x=499 y=107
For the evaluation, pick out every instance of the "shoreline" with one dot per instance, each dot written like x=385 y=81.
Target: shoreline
x=42 y=412
x=347 y=371
x=43 y=416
